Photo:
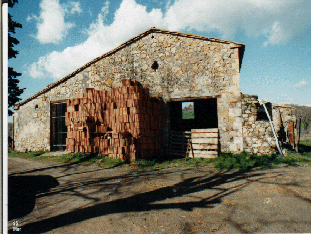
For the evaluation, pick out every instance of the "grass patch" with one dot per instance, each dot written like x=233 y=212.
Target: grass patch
x=74 y=157
x=171 y=163
x=224 y=161
x=89 y=159
x=248 y=161
x=78 y=158
x=305 y=142
x=28 y=155
x=142 y=163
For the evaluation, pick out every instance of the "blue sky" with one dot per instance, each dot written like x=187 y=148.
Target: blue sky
x=59 y=36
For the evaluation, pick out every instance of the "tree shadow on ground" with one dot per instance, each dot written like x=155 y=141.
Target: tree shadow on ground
x=65 y=166
x=289 y=188
x=152 y=200
x=22 y=191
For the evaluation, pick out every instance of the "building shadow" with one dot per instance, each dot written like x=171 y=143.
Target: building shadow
x=153 y=200
x=22 y=191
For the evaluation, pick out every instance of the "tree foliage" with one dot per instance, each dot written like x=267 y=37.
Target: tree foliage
x=14 y=91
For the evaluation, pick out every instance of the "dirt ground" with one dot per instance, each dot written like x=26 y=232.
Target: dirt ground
x=48 y=197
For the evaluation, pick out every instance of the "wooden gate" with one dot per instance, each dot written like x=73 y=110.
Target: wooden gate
x=199 y=143
x=58 y=128
x=178 y=143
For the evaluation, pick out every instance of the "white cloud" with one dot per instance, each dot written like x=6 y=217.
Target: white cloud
x=130 y=19
x=301 y=84
x=276 y=35
x=35 y=71
x=277 y=20
x=72 y=7
x=31 y=17
x=51 y=24
x=105 y=8
x=90 y=12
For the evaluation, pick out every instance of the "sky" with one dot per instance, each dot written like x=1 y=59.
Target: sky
x=59 y=36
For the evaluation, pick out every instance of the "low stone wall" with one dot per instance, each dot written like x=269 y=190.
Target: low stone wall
x=257 y=135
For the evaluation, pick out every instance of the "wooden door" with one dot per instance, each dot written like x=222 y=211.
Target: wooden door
x=58 y=127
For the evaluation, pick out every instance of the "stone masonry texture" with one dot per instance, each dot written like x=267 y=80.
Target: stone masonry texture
x=258 y=136
x=186 y=67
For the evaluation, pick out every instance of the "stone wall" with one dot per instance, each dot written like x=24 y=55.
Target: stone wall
x=258 y=136
x=187 y=67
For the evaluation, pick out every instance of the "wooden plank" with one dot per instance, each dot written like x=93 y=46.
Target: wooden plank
x=201 y=146
x=205 y=130
x=205 y=140
x=201 y=153
x=204 y=135
x=191 y=98
x=204 y=151
x=204 y=155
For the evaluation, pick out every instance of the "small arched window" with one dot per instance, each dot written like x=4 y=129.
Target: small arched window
x=36 y=106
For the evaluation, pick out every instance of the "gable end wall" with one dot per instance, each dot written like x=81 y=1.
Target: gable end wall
x=188 y=67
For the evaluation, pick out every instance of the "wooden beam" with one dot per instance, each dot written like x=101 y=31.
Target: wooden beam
x=204 y=130
x=205 y=140
x=204 y=147
x=204 y=135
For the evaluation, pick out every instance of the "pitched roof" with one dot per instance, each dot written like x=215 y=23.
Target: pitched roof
x=134 y=39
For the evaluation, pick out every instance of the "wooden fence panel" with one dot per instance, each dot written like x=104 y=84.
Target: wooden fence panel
x=199 y=143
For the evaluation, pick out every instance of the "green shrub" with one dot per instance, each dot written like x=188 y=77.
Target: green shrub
x=108 y=162
x=75 y=157
x=30 y=154
x=246 y=161
x=141 y=163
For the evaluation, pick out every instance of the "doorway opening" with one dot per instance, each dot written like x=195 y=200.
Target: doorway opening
x=58 y=133
x=193 y=114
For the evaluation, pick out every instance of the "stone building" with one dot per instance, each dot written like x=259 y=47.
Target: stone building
x=176 y=68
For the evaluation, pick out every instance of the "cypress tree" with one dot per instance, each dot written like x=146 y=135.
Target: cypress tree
x=14 y=91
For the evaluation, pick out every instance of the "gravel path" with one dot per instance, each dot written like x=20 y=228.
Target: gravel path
x=48 y=197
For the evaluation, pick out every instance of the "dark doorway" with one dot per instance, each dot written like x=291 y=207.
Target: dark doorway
x=58 y=127
x=203 y=114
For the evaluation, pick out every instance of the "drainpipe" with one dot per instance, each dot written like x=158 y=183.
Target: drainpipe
x=276 y=138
